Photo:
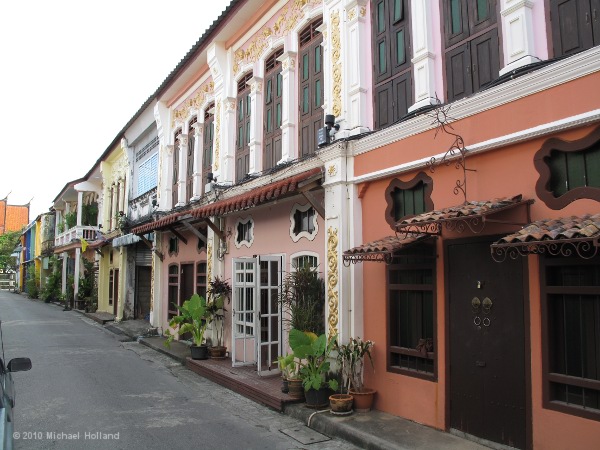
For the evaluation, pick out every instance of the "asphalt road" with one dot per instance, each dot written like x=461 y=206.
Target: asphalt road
x=88 y=390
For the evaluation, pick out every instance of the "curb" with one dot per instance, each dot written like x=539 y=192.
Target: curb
x=164 y=351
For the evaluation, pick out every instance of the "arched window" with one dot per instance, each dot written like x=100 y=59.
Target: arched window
x=273 y=110
x=311 y=86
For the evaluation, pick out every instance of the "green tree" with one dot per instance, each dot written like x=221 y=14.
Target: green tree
x=8 y=242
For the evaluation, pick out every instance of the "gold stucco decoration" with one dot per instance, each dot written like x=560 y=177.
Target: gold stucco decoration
x=363 y=11
x=332 y=280
x=217 y=135
x=193 y=102
x=352 y=14
x=209 y=259
x=332 y=170
x=287 y=20
x=336 y=63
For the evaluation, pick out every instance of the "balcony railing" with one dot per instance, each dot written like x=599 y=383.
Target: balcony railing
x=86 y=232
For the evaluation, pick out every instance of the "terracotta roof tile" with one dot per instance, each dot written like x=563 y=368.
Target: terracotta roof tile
x=239 y=202
x=387 y=244
x=17 y=217
x=563 y=228
x=469 y=209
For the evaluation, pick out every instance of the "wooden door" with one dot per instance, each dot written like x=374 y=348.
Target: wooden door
x=187 y=288
x=143 y=281
x=486 y=345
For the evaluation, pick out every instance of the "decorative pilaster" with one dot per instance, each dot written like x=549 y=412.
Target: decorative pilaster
x=256 y=124
x=357 y=41
x=424 y=52
x=198 y=152
x=228 y=148
x=289 y=105
x=166 y=175
x=517 y=28
x=182 y=145
x=332 y=282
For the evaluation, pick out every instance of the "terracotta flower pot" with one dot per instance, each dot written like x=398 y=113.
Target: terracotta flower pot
x=363 y=400
x=341 y=403
x=217 y=351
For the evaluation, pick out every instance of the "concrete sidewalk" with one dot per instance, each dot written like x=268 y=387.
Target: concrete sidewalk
x=372 y=430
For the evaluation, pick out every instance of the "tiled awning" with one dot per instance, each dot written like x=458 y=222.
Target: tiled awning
x=381 y=250
x=470 y=215
x=566 y=236
x=255 y=197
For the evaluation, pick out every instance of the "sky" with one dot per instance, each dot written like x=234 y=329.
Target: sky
x=72 y=74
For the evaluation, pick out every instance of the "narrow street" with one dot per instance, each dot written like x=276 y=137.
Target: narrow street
x=122 y=394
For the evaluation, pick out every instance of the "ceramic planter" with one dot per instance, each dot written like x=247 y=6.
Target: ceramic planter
x=363 y=400
x=317 y=398
x=296 y=390
x=341 y=403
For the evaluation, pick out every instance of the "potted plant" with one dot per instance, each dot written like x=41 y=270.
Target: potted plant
x=193 y=318
x=351 y=358
x=312 y=353
x=287 y=368
x=302 y=297
x=218 y=291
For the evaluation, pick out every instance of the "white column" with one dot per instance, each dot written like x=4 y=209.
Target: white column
x=226 y=150
x=79 y=207
x=423 y=21
x=198 y=155
x=65 y=259
x=256 y=124
x=289 y=149
x=76 y=275
x=517 y=29
x=167 y=176
x=183 y=142
x=355 y=46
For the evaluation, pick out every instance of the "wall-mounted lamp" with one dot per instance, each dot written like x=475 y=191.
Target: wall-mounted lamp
x=325 y=134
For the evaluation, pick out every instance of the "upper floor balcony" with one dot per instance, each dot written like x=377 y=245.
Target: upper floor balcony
x=86 y=232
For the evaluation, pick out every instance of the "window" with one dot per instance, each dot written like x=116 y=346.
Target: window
x=111 y=285
x=472 y=50
x=201 y=278
x=392 y=72
x=571 y=322
x=305 y=260
x=303 y=222
x=273 y=110
x=176 y=167
x=173 y=246
x=207 y=149
x=408 y=198
x=189 y=179
x=242 y=149
x=173 y=296
x=575 y=25
x=569 y=170
x=148 y=175
x=411 y=312
x=244 y=233
x=311 y=87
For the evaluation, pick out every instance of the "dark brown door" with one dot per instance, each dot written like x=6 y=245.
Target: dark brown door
x=487 y=344
x=142 y=292
x=116 y=291
x=186 y=288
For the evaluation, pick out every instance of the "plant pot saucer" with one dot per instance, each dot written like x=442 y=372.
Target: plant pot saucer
x=345 y=413
x=218 y=357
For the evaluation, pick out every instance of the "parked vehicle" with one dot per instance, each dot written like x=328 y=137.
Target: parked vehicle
x=7 y=394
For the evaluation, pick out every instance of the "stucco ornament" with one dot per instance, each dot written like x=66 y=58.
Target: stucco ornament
x=336 y=63
x=195 y=101
x=209 y=259
x=332 y=280
x=287 y=20
x=332 y=170
x=217 y=135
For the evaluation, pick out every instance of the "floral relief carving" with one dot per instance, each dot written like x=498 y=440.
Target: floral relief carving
x=193 y=102
x=332 y=280
x=363 y=11
x=209 y=262
x=217 y=135
x=288 y=18
x=352 y=14
x=336 y=63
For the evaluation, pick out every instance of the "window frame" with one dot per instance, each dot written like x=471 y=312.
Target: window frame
x=541 y=164
x=272 y=134
x=243 y=242
x=243 y=122
x=393 y=349
x=172 y=282
x=421 y=177
x=208 y=138
x=303 y=234
x=547 y=376
x=191 y=147
x=176 y=156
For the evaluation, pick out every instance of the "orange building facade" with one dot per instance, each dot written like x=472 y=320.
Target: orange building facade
x=485 y=305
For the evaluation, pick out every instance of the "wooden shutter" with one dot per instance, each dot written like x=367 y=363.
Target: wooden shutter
x=458 y=72
x=384 y=104
x=189 y=184
x=402 y=95
x=273 y=99
x=207 y=148
x=311 y=87
x=484 y=59
x=176 y=167
x=571 y=24
x=242 y=153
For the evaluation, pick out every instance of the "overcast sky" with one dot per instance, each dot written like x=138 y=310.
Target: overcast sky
x=72 y=73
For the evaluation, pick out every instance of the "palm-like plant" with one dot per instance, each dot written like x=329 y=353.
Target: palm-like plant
x=193 y=318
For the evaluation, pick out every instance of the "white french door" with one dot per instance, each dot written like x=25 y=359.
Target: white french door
x=256 y=324
x=243 y=351
x=269 y=314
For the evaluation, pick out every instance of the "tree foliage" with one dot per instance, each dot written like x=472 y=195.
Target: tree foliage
x=8 y=242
